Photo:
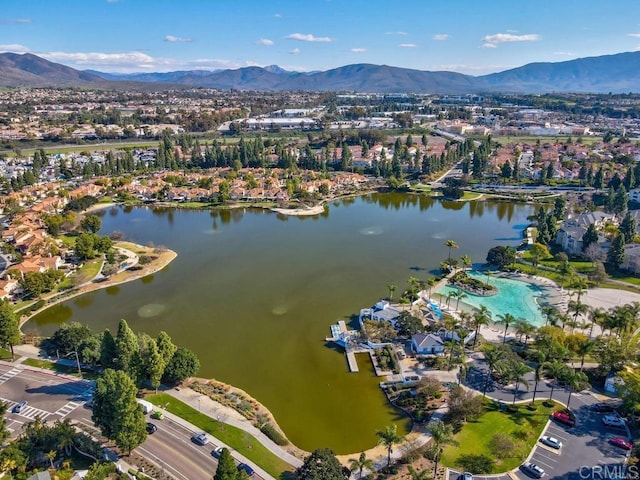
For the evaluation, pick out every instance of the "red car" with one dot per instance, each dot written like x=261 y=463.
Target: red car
x=563 y=417
x=621 y=442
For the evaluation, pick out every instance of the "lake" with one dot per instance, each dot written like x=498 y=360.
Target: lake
x=253 y=293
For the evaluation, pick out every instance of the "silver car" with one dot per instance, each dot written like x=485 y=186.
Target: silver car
x=551 y=442
x=532 y=469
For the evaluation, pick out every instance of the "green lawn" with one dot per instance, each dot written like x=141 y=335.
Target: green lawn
x=89 y=269
x=55 y=367
x=238 y=439
x=523 y=426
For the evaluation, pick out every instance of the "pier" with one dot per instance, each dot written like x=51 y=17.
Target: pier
x=351 y=360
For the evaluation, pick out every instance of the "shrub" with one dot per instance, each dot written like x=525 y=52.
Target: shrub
x=476 y=464
x=271 y=432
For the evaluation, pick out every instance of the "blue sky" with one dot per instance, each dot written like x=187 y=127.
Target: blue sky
x=466 y=36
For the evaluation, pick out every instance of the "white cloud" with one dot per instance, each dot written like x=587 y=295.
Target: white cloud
x=396 y=33
x=635 y=35
x=358 y=50
x=277 y=15
x=295 y=51
x=308 y=37
x=14 y=48
x=174 y=39
x=441 y=36
x=492 y=41
x=565 y=54
x=15 y=21
x=264 y=41
x=407 y=45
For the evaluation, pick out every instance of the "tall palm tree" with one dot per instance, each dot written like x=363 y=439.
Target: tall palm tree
x=492 y=355
x=577 y=381
x=596 y=315
x=431 y=282
x=578 y=308
x=465 y=317
x=554 y=370
x=441 y=435
x=525 y=329
x=450 y=294
x=459 y=294
x=481 y=317
x=541 y=357
x=389 y=437
x=451 y=244
x=466 y=261
x=583 y=348
x=550 y=312
x=517 y=373
x=361 y=463
x=506 y=319
x=391 y=288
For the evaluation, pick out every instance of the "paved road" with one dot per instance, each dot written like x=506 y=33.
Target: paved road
x=53 y=397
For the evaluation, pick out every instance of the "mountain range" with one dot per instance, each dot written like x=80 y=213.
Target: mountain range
x=618 y=73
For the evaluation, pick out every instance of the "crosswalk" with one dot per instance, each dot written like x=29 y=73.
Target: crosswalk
x=28 y=412
x=67 y=409
x=5 y=377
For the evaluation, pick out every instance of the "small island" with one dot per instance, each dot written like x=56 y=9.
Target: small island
x=472 y=285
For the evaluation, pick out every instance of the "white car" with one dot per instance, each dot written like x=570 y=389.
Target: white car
x=613 y=421
x=551 y=442
x=532 y=469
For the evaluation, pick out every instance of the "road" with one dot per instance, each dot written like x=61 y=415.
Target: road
x=53 y=397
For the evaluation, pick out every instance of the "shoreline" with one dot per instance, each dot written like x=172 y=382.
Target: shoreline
x=164 y=259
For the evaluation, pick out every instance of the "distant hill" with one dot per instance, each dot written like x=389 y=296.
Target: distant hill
x=619 y=73
x=29 y=70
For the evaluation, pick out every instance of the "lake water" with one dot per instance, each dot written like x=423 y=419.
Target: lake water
x=253 y=293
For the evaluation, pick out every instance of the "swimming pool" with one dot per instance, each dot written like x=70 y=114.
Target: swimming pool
x=516 y=297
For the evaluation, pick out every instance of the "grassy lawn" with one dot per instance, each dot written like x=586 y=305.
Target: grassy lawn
x=55 y=367
x=89 y=269
x=633 y=280
x=470 y=195
x=523 y=426
x=238 y=439
x=5 y=354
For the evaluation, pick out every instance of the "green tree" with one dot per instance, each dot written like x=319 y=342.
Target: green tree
x=492 y=355
x=408 y=324
x=224 y=191
x=538 y=252
x=107 y=350
x=322 y=464
x=9 y=327
x=628 y=228
x=615 y=256
x=577 y=381
x=84 y=246
x=116 y=411
x=4 y=433
x=450 y=244
x=501 y=256
x=480 y=317
x=183 y=364
x=53 y=224
x=590 y=237
x=226 y=469
x=360 y=463
x=620 y=200
x=516 y=372
x=388 y=437
x=91 y=223
x=506 y=320
x=154 y=366
x=554 y=370
x=537 y=376
x=441 y=435
x=391 y=289
x=126 y=347
x=166 y=348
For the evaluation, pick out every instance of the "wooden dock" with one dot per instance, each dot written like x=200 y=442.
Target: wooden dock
x=351 y=360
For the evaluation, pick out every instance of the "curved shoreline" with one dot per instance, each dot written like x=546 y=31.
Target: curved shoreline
x=165 y=258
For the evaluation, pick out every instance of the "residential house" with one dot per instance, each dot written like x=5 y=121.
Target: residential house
x=427 y=344
x=382 y=311
x=631 y=260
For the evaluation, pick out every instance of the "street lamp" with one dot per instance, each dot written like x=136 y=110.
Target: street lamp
x=77 y=362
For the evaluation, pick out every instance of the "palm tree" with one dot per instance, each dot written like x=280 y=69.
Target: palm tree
x=554 y=370
x=459 y=294
x=550 y=313
x=492 y=355
x=450 y=295
x=452 y=348
x=464 y=318
x=466 y=261
x=481 y=317
x=451 y=244
x=51 y=455
x=441 y=435
x=584 y=347
x=505 y=319
x=541 y=357
x=578 y=308
x=524 y=328
x=596 y=315
x=577 y=381
x=360 y=464
x=431 y=282
x=391 y=288
x=389 y=437
x=517 y=372
x=8 y=464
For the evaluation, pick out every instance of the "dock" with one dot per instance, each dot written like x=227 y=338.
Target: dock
x=351 y=360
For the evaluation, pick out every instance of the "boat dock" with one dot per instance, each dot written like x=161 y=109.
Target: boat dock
x=351 y=360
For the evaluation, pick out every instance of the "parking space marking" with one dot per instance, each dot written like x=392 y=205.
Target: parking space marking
x=549 y=449
x=5 y=377
x=542 y=454
x=67 y=409
x=32 y=413
x=537 y=462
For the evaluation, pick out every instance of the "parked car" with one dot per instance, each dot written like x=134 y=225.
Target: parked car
x=613 y=421
x=20 y=406
x=151 y=428
x=532 y=469
x=157 y=415
x=551 y=442
x=602 y=408
x=564 y=418
x=200 y=438
x=247 y=469
x=216 y=452
x=621 y=442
